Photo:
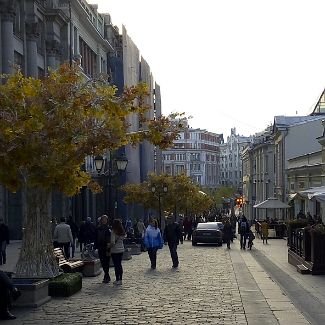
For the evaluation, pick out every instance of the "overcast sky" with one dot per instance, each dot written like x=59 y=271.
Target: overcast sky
x=229 y=63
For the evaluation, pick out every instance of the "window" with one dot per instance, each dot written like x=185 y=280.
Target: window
x=88 y=59
x=19 y=60
x=40 y=72
x=17 y=22
x=266 y=164
x=179 y=169
x=41 y=39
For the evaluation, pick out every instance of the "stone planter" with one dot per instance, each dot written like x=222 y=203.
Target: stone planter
x=135 y=248
x=91 y=268
x=127 y=254
x=65 y=284
x=34 y=292
x=318 y=253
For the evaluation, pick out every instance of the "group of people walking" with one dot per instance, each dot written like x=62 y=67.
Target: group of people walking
x=154 y=240
x=66 y=233
x=109 y=243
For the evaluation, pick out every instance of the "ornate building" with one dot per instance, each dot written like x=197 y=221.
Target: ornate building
x=37 y=35
x=231 y=160
x=195 y=153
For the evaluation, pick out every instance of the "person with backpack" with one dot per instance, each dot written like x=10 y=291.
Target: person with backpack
x=103 y=244
x=243 y=231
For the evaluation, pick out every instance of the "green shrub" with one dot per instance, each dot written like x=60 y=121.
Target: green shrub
x=318 y=229
x=297 y=223
x=65 y=285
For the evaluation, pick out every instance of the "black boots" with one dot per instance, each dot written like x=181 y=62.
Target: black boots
x=7 y=315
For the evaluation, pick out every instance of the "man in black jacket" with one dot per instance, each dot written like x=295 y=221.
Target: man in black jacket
x=102 y=243
x=172 y=236
x=7 y=290
x=4 y=241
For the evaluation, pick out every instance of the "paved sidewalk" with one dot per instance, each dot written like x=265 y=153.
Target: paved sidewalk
x=213 y=285
x=305 y=291
x=277 y=251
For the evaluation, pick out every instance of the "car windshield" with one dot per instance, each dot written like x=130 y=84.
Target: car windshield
x=213 y=225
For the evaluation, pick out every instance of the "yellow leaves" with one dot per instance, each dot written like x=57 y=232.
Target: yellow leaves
x=94 y=187
x=48 y=127
x=181 y=193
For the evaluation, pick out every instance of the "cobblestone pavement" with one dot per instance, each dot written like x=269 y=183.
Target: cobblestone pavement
x=212 y=286
x=203 y=290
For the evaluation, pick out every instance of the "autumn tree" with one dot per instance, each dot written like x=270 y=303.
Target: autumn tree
x=223 y=193
x=183 y=196
x=47 y=128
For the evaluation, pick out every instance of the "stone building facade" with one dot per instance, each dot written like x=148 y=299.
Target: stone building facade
x=37 y=35
x=258 y=173
x=231 y=160
x=195 y=153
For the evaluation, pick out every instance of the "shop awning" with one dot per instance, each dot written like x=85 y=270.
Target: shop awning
x=272 y=203
x=317 y=193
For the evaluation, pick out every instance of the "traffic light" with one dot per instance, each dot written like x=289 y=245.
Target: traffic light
x=239 y=201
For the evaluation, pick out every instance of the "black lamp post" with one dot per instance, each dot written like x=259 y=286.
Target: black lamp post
x=102 y=169
x=158 y=191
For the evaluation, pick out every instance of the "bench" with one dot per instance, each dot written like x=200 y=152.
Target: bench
x=67 y=266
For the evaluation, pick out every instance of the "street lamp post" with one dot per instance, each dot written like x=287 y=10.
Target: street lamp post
x=159 y=191
x=102 y=169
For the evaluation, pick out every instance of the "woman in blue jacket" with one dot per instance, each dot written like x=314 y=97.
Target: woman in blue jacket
x=153 y=241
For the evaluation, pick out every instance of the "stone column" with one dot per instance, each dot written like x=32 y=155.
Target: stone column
x=7 y=11
x=32 y=34
x=53 y=52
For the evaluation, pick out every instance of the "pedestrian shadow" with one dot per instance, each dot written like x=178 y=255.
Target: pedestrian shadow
x=205 y=245
x=150 y=272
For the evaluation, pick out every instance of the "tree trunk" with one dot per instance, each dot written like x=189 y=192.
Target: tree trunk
x=36 y=258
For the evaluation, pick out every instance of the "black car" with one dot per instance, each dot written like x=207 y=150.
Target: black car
x=208 y=232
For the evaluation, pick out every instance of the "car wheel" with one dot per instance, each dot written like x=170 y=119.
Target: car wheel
x=220 y=244
x=194 y=243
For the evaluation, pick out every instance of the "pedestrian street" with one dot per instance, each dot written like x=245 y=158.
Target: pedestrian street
x=212 y=285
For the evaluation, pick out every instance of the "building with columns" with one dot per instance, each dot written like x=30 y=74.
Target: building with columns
x=195 y=153
x=258 y=173
x=231 y=160
x=39 y=34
